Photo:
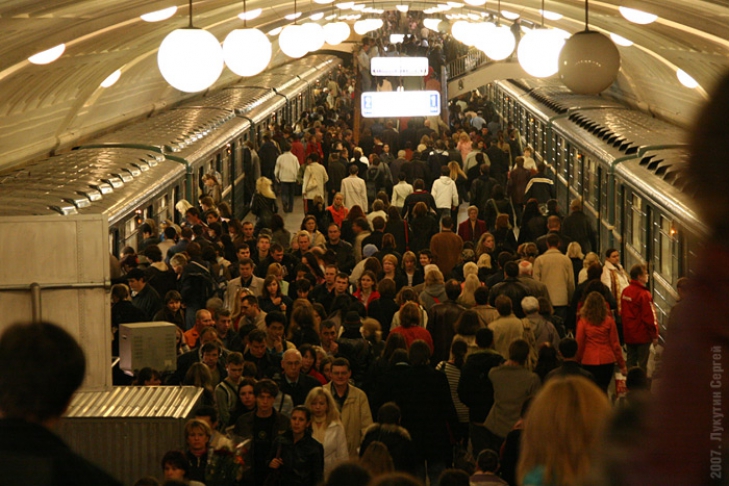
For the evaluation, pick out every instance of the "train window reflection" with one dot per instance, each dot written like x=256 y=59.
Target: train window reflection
x=667 y=246
x=637 y=227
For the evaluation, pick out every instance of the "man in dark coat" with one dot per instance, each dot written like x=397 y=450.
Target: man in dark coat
x=499 y=162
x=510 y=287
x=441 y=321
x=481 y=189
x=577 y=227
x=428 y=412
x=475 y=389
x=337 y=170
x=145 y=296
x=268 y=153
x=554 y=226
x=419 y=195
x=293 y=382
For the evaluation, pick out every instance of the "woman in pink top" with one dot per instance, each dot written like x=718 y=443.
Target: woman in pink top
x=464 y=146
x=598 y=348
x=409 y=325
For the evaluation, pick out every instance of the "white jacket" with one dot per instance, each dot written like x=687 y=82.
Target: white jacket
x=400 y=191
x=354 y=191
x=445 y=193
x=335 y=447
x=315 y=178
x=287 y=167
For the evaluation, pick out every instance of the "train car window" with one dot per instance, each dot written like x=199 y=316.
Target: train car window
x=113 y=237
x=163 y=212
x=200 y=183
x=668 y=249
x=176 y=199
x=130 y=233
x=575 y=170
x=637 y=223
x=619 y=205
x=557 y=143
x=592 y=182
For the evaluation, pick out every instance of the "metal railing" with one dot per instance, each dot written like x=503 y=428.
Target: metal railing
x=468 y=62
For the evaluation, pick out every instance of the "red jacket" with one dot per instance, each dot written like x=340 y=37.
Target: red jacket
x=472 y=234
x=598 y=345
x=639 y=318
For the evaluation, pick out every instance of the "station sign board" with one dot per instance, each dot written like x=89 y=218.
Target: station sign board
x=399 y=66
x=384 y=104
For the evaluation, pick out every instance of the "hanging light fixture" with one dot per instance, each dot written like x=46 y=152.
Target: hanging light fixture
x=589 y=61
x=336 y=32
x=291 y=39
x=246 y=51
x=190 y=59
x=501 y=43
x=539 y=50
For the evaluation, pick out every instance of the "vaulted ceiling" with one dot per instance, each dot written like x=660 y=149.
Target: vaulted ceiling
x=46 y=108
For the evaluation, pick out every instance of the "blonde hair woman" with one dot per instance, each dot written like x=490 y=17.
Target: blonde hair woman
x=562 y=431
x=327 y=427
x=589 y=259
x=467 y=299
x=263 y=204
x=464 y=145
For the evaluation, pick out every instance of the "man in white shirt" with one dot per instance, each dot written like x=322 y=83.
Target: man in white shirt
x=287 y=168
x=354 y=190
x=400 y=191
x=445 y=193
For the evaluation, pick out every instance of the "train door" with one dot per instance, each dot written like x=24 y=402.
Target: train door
x=667 y=253
x=176 y=198
x=562 y=161
x=636 y=241
x=591 y=194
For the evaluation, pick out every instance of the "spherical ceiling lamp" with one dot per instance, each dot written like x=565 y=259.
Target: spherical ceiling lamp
x=460 y=29
x=376 y=24
x=314 y=35
x=539 y=52
x=501 y=43
x=361 y=27
x=292 y=42
x=589 y=62
x=247 y=52
x=336 y=32
x=190 y=59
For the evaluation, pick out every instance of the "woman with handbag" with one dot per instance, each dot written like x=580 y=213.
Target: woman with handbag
x=298 y=458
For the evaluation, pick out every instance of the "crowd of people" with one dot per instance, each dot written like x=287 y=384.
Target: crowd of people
x=381 y=337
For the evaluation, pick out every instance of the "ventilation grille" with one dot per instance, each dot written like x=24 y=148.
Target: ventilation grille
x=628 y=130
x=672 y=167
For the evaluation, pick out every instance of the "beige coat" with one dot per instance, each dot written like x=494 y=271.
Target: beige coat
x=555 y=270
x=356 y=417
x=506 y=329
x=234 y=285
x=315 y=179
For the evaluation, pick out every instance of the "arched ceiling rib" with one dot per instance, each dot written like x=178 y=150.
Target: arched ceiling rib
x=43 y=108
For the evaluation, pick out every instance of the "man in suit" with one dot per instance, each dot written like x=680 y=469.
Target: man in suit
x=293 y=382
x=247 y=279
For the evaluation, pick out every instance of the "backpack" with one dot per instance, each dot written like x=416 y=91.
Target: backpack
x=372 y=181
x=528 y=336
x=208 y=284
